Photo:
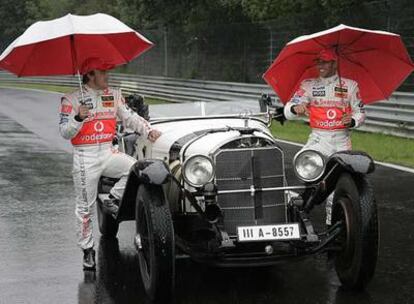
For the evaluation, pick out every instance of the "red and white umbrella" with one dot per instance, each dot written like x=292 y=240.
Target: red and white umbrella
x=73 y=44
x=378 y=61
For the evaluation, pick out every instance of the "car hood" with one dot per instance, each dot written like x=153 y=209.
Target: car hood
x=199 y=136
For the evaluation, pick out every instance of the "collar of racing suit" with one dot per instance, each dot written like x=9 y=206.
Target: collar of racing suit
x=94 y=91
x=329 y=80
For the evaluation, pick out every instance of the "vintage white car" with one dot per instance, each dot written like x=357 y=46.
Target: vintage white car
x=214 y=188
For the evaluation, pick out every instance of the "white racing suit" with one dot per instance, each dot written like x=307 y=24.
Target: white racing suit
x=93 y=154
x=327 y=100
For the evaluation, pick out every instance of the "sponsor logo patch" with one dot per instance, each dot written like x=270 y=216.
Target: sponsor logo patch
x=341 y=90
x=67 y=109
x=318 y=93
x=107 y=98
x=320 y=88
x=329 y=124
x=341 y=95
x=300 y=92
x=108 y=104
x=96 y=137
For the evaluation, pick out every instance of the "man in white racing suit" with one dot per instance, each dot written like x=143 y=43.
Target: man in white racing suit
x=88 y=119
x=333 y=105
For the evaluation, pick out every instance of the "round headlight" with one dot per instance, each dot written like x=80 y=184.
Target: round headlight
x=198 y=170
x=309 y=165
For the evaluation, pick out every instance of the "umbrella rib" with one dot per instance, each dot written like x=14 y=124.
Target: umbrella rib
x=337 y=41
x=358 y=51
x=354 y=41
x=373 y=49
x=362 y=67
x=75 y=67
x=126 y=60
x=320 y=43
x=25 y=63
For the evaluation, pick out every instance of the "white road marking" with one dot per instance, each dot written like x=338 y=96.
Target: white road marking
x=397 y=167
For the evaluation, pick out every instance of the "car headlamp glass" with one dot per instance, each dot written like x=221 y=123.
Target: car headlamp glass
x=198 y=170
x=309 y=165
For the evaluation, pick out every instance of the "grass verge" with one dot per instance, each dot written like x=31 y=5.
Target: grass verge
x=384 y=148
x=46 y=87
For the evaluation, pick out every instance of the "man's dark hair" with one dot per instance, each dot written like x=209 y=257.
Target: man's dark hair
x=85 y=77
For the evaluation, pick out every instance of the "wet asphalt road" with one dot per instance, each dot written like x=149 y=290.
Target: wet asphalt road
x=40 y=263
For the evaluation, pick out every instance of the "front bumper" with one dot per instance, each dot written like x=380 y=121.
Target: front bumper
x=252 y=254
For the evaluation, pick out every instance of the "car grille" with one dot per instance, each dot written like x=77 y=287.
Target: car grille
x=241 y=169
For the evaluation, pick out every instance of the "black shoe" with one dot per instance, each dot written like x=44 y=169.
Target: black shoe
x=89 y=259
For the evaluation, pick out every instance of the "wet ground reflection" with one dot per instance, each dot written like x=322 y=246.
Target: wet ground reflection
x=40 y=263
x=311 y=280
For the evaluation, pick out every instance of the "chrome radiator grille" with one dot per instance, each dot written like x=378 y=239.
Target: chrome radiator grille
x=244 y=169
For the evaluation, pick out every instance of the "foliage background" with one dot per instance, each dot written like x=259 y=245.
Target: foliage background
x=228 y=40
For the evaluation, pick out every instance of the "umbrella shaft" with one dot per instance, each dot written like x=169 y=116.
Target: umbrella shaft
x=82 y=102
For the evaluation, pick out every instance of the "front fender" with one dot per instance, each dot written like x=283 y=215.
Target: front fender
x=151 y=171
x=147 y=171
x=352 y=161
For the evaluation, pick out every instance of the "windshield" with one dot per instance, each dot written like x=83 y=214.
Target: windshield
x=204 y=109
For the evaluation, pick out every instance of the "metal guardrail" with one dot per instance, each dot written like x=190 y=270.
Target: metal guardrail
x=394 y=116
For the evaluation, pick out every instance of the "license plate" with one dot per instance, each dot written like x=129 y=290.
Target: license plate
x=268 y=232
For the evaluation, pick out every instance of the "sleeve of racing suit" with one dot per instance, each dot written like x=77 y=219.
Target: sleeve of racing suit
x=130 y=119
x=68 y=126
x=299 y=97
x=358 y=111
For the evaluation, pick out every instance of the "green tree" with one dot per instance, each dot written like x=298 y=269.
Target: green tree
x=183 y=13
x=319 y=13
x=82 y=7
x=12 y=20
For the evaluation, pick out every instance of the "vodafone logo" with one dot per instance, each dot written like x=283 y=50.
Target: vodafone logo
x=331 y=114
x=330 y=124
x=99 y=126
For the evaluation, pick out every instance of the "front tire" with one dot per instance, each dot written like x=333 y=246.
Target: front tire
x=354 y=204
x=108 y=226
x=155 y=242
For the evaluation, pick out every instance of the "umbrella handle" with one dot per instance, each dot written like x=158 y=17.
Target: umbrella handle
x=82 y=101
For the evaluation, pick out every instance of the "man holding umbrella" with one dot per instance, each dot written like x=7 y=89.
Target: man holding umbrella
x=88 y=45
x=88 y=119
x=332 y=103
x=376 y=61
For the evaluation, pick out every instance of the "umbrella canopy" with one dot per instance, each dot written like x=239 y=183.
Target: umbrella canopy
x=378 y=61
x=72 y=44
